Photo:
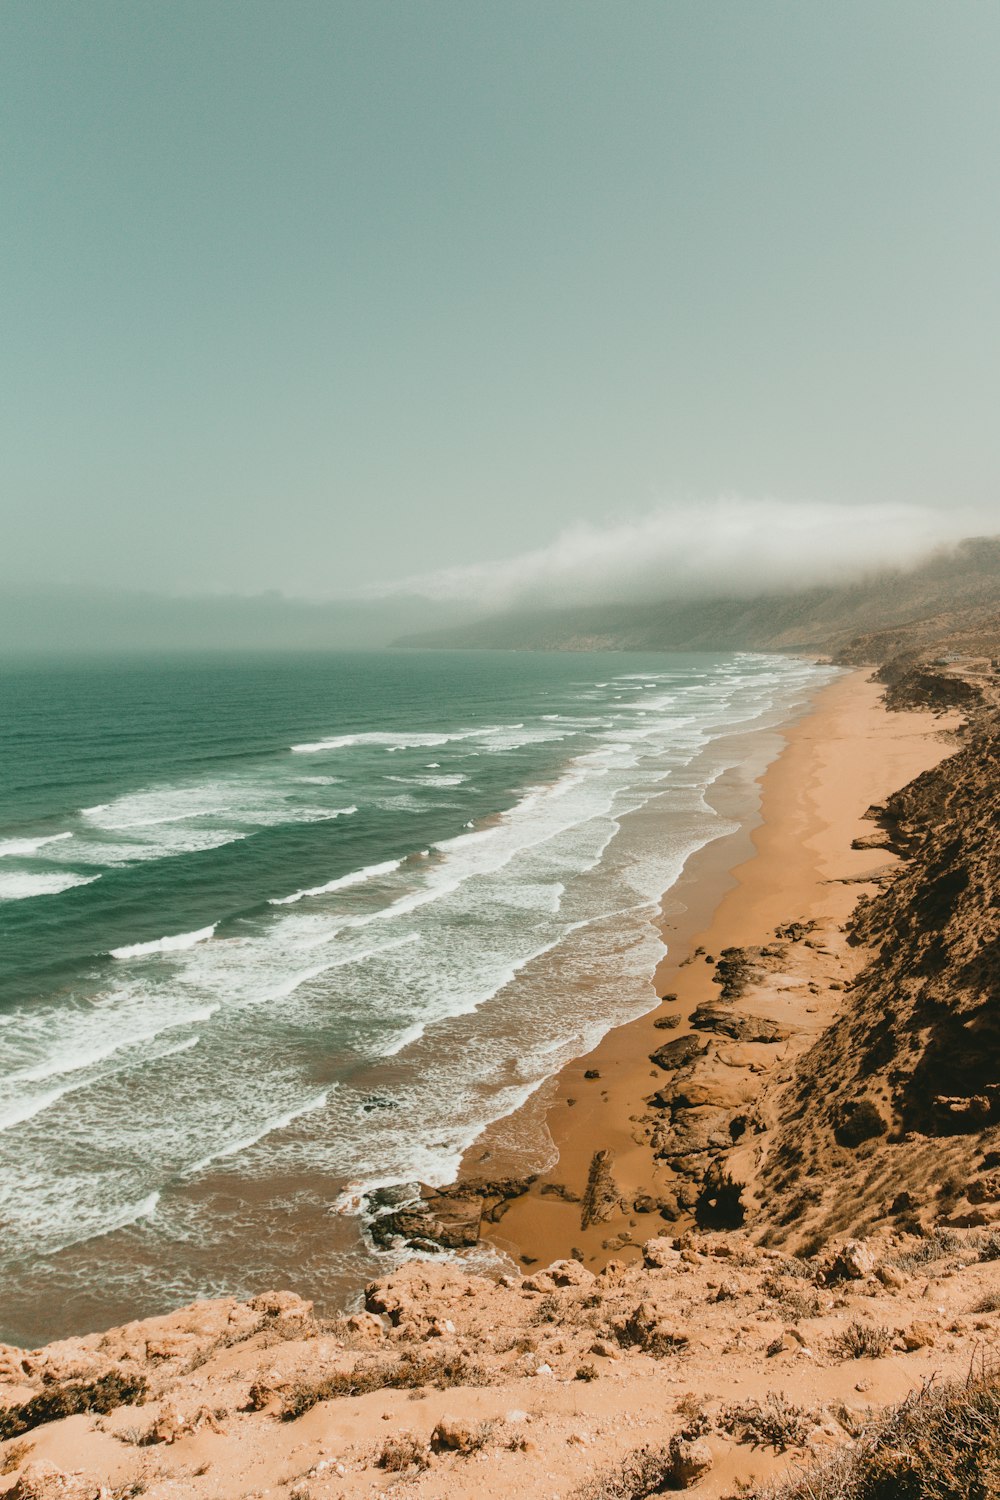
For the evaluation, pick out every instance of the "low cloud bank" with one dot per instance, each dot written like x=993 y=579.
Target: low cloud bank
x=727 y=546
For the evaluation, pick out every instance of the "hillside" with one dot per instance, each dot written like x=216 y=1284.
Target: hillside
x=957 y=591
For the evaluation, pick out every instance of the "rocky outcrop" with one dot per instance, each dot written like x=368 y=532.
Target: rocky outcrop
x=740 y=1026
x=921 y=687
x=737 y=968
x=560 y=1381
x=678 y=1053
x=425 y=1220
x=433 y=1219
x=904 y=1088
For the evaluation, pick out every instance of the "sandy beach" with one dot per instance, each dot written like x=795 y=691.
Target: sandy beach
x=795 y=865
x=705 y=1339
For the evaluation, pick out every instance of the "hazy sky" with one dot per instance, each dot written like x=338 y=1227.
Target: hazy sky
x=307 y=295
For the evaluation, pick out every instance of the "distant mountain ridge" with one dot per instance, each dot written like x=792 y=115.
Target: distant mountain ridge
x=954 y=591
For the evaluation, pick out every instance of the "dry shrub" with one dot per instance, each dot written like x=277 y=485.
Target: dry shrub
x=859 y=1120
x=934 y=1247
x=793 y=1300
x=407 y=1373
x=646 y=1471
x=15 y=1455
x=772 y=1423
x=939 y=1444
x=548 y=1310
x=403 y=1452
x=67 y=1398
x=795 y=1265
x=862 y=1341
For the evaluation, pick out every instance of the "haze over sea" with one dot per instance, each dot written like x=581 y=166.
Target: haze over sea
x=277 y=929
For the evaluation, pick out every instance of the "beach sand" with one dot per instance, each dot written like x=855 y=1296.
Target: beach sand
x=795 y=865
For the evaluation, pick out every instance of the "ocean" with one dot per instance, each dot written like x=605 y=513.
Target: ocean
x=275 y=930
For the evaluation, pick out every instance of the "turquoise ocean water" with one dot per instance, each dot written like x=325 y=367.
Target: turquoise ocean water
x=274 y=930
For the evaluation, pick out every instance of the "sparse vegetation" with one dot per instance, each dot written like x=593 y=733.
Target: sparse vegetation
x=646 y=1471
x=943 y=1242
x=15 y=1455
x=990 y=1247
x=403 y=1452
x=795 y=1265
x=774 y=1422
x=862 y=1341
x=69 y=1397
x=938 y=1445
x=858 y=1120
x=402 y=1374
x=793 y=1300
x=548 y=1309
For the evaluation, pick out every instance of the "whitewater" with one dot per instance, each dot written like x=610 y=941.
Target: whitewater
x=276 y=931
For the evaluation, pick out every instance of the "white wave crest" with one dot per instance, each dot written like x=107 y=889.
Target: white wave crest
x=11 y=847
x=454 y=779
x=294 y=981
x=405 y=1039
x=74 y=1062
x=267 y=1128
x=133 y=1214
x=166 y=944
x=23 y=887
x=356 y=877
x=27 y=1109
x=401 y=739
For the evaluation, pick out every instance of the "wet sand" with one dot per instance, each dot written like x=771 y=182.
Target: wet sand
x=793 y=862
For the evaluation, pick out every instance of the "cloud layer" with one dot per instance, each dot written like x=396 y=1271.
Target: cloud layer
x=729 y=545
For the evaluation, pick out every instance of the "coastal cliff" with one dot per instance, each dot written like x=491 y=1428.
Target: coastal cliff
x=805 y=1295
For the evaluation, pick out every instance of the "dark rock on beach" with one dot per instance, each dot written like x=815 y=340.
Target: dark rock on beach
x=741 y=1028
x=601 y=1198
x=448 y=1218
x=678 y=1053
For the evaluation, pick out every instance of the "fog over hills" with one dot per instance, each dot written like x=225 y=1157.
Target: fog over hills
x=956 y=588
x=639 y=588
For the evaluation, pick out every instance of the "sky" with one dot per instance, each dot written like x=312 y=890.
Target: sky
x=471 y=299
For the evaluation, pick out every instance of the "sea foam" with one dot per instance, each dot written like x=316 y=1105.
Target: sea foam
x=23 y=887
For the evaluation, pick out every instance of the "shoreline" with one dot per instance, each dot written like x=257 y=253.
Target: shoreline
x=836 y=1282
x=790 y=861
